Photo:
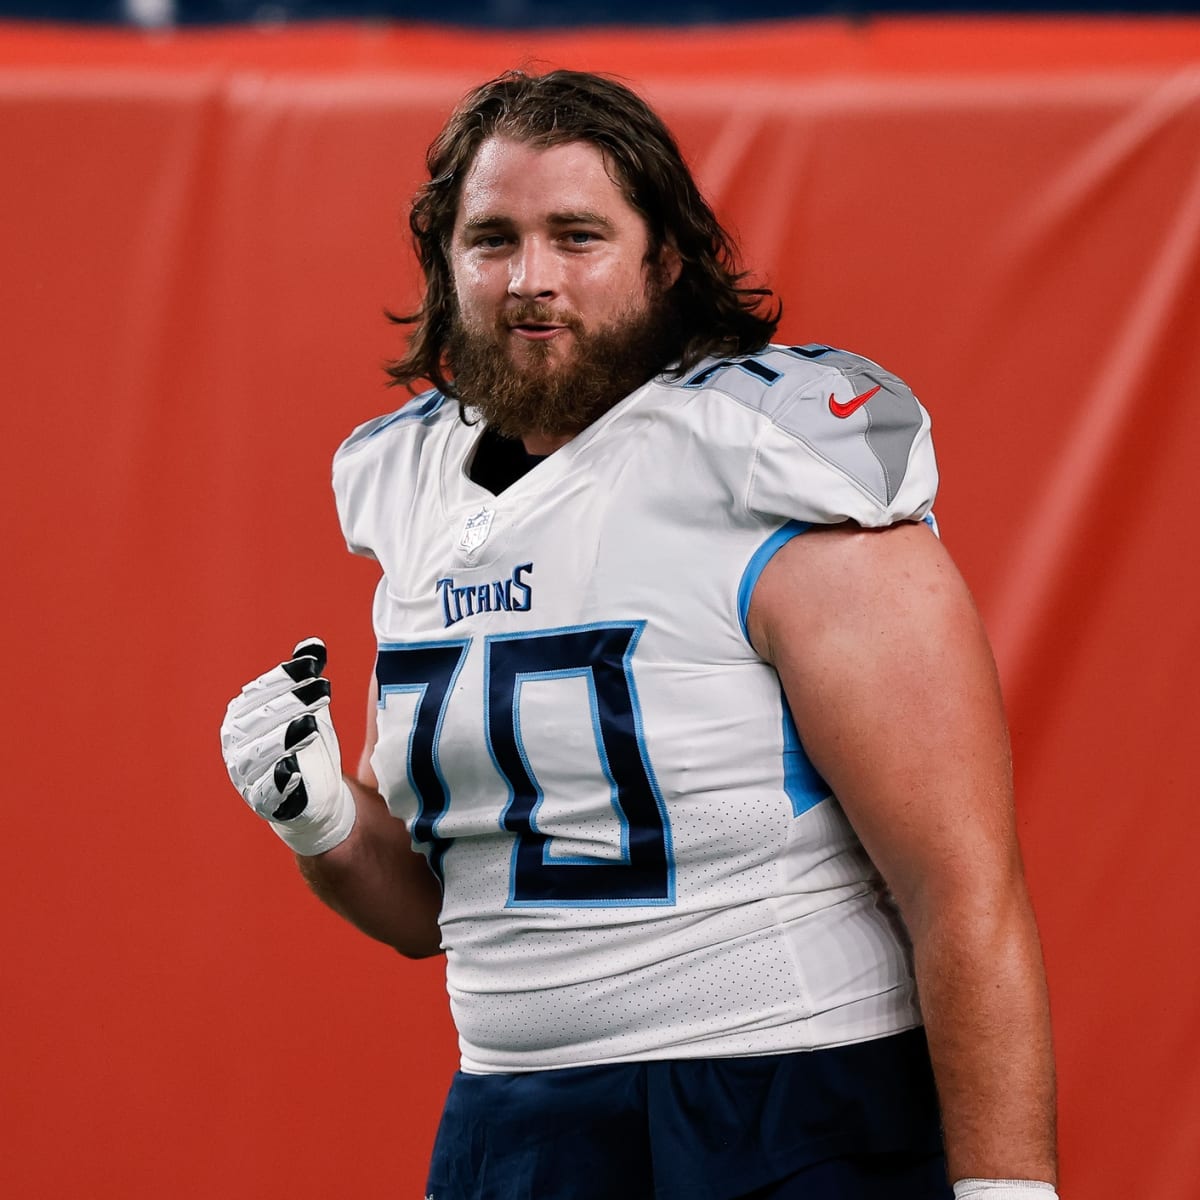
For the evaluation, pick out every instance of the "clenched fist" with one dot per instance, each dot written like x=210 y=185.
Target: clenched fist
x=282 y=754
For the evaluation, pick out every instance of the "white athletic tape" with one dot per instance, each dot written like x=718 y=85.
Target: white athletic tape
x=1003 y=1189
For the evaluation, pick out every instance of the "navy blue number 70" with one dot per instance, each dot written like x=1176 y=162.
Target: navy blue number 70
x=601 y=654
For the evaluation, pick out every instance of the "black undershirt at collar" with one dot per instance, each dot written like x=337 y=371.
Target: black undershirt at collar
x=500 y=461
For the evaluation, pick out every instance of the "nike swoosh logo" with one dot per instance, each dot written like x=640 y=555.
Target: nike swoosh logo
x=851 y=406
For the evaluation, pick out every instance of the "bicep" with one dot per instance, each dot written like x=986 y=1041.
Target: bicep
x=888 y=673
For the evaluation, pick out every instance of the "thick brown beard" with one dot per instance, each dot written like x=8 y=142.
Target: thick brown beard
x=606 y=366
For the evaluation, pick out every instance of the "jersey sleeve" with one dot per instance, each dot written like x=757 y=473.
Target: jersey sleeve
x=846 y=441
x=351 y=484
x=367 y=466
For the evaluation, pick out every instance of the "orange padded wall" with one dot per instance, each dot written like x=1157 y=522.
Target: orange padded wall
x=198 y=234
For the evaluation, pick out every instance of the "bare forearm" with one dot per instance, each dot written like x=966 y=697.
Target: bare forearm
x=983 y=995
x=376 y=881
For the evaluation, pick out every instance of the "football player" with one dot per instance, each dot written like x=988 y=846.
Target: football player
x=681 y=703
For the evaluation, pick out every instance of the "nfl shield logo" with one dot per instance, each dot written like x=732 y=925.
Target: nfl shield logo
x=475 y=531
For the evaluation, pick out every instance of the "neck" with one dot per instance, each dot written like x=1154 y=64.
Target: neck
x=544 y=443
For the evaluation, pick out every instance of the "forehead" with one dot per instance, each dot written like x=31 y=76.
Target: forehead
x=517 y=181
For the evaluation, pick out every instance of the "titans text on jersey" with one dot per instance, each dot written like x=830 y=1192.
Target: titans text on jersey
x=638 y=859
x=512 y=594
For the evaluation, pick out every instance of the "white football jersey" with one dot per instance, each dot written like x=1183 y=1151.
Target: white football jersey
x=638 y=859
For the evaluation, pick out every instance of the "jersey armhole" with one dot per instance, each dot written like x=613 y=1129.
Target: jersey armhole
x=802 y=782
x=758 y=563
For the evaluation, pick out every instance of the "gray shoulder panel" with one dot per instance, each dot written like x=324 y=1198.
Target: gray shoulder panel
x=847 y=409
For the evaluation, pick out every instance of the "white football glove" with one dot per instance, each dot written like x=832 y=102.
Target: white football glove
x=1003 y=1189
x=282 y=754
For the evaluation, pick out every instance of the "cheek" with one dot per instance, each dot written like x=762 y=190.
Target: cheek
x=629 y=294
x=472 y=292
x=615 y=291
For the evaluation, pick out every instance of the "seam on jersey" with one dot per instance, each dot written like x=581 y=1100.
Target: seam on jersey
x=804 y=1005
x=887 y=478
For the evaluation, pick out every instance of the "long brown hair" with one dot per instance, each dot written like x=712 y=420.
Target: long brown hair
x=713 y=309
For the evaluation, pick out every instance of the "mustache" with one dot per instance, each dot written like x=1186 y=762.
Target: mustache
x=533 y=313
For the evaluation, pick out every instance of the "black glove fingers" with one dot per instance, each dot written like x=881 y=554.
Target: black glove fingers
x=301 y=668
x=283 y=771
x=312 y=692
x=290 y=785
x=301 y=728
x=312 y=648
x=294 y=803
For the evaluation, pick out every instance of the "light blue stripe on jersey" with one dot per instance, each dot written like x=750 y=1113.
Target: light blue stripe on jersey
x=418 y=408
x=801 y=780
x=758 y=564
x=804 y=786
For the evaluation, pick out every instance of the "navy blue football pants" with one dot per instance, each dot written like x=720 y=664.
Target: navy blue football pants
x=848 y=1123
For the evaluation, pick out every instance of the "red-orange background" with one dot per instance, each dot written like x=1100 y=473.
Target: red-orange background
x=197 y=237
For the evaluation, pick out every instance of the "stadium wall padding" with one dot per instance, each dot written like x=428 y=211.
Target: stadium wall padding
x=198 y=236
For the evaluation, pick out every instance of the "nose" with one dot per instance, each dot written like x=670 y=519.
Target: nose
x=532 y=271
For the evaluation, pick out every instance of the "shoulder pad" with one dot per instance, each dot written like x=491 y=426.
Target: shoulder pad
x=419 y=408
x=366 y=466
x=850 y=412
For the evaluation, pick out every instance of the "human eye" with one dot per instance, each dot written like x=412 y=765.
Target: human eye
x=580 y=237
x=490 y=241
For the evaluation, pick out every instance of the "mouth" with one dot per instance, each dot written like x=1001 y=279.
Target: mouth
x=536 y=331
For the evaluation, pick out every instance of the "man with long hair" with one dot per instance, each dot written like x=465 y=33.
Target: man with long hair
x=680 y=701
